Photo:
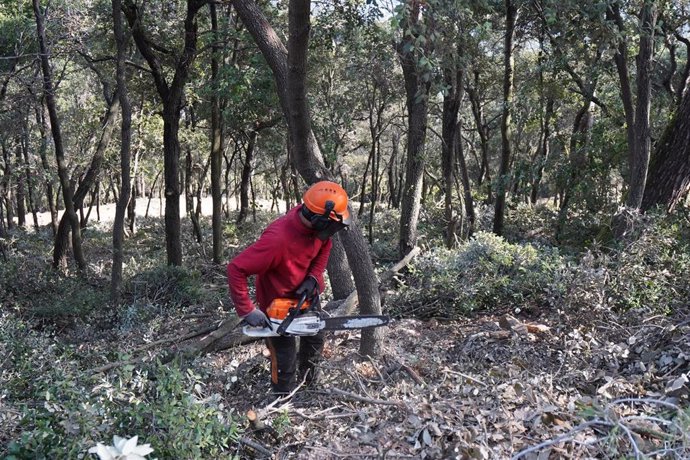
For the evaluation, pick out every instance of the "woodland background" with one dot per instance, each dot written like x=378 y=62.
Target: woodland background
x=530 y=158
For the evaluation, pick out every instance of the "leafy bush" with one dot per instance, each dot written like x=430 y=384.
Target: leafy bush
x=64 y=412
x=484 y=273
x=166 y=285
x=35 y=289
x=652 y=269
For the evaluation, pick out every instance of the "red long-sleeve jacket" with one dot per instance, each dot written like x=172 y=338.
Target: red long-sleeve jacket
x=285 y=254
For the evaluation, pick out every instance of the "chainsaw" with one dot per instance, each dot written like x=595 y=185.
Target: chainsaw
x=299 y=317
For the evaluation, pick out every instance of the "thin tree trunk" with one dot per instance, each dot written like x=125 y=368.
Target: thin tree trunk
x=451 y=105
x=216 y=143
x=29 y=181
x=642 y=134
x=246 y=177
x=506 y=122
x=417 y=92
x=125 y=133
x=49 y=93
x=153 y=188
x=7 y=179
x=468 y=201
x=21 y=190
x=43 y=127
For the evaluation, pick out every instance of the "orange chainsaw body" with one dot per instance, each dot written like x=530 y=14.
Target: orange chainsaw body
x=280 y=307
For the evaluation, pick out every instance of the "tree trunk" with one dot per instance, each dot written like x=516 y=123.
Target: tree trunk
x=247 y=168
x=506 y=123
x=465 y=178
x=49 y=93
x=125 y=133
x=43 y=128
x=21 y=190
x=7 y=182
x=171 y=95
x=90 y=178
x=216 y=143
x=669 y=169
x=309 y=160
x=417 y=93
x=451 y=105
x=29 y=178
x=642 y=135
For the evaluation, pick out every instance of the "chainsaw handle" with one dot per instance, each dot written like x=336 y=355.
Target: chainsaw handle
x=291 y=315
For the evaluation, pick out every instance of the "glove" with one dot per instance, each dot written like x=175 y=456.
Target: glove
x=257 y=318
x=309 y=285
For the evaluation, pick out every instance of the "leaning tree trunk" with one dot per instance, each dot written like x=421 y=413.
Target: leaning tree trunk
x=506 y=123
x=49 y=93
x=90 y=178
x=305 y=152
x=669 y=169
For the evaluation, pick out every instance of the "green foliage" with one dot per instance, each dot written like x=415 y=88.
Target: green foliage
x=652 y=270
x=166 y=285
x=38 y=290
x=485 y=273
x=64 y=412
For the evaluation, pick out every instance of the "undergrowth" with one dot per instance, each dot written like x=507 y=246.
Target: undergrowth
x=62 y=411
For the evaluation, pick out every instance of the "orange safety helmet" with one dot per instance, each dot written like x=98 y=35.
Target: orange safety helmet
x=327 y=199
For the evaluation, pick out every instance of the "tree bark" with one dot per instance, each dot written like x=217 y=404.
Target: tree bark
x=49 y=93
x=125 y=135
x=247 y=168
x=639 y=160
x=669 y=169
x=451 y=106
x=506 y=122
x=417 y=94
x=216 y=143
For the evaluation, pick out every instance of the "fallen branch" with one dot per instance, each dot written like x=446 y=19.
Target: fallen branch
x=256 y=446
x=468 y=377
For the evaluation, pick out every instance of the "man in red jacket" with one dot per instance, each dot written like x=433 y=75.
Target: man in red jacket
x=288 y=260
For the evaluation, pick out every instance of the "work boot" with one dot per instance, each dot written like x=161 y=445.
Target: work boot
x=310 y=373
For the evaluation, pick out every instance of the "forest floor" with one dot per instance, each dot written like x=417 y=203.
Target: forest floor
x=586 y=384
x=531 y=381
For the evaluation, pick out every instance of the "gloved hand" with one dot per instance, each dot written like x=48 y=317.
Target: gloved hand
x=309 y=285
x=257 y=318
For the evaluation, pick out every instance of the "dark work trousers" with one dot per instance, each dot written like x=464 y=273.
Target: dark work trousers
x=285 y=359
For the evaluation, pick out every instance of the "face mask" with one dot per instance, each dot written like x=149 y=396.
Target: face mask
x=323 y=225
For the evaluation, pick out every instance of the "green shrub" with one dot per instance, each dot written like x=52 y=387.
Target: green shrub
x=36 y=289
x=65 y=412
x=484 y=273
x=166 y=285
x=652 y=269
